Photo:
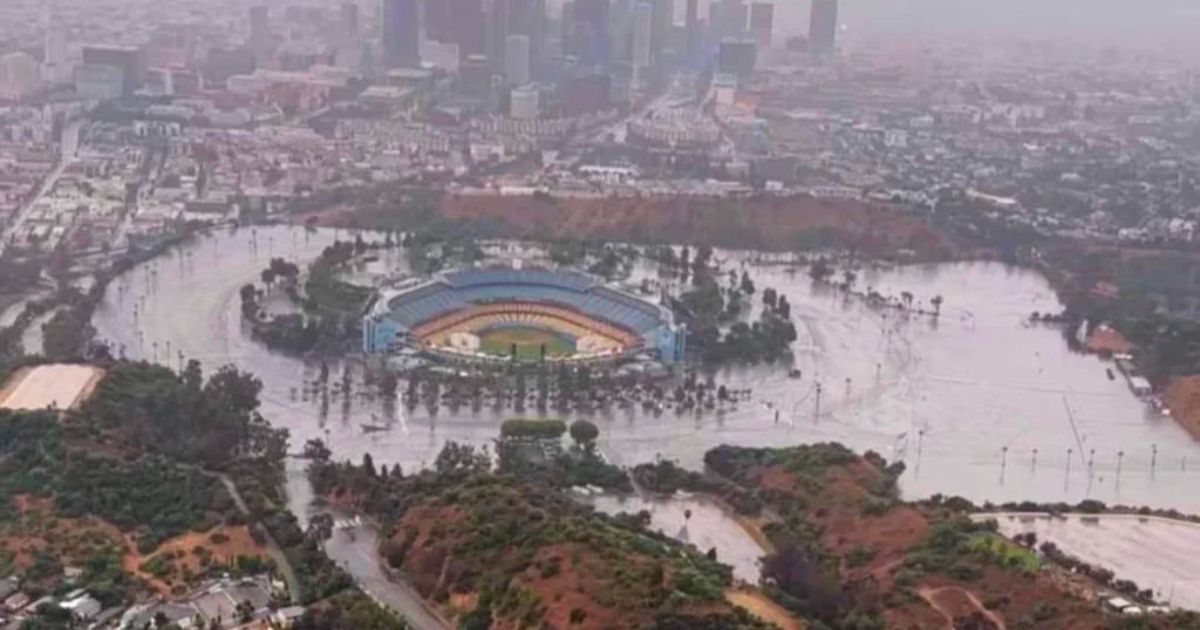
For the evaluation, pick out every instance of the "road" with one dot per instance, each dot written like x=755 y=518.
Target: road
x=69 y=146
x=356 y=550
x=273 y=548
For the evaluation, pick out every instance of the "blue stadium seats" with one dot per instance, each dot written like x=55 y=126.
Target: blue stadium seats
x=567 y=289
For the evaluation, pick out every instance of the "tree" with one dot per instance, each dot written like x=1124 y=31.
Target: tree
x=584 y=434
x=770 y=297
x=937 y=305
x=248 y=293
x=820 y=270
x=368 y=464
x=462 y=458
x=848 y=279
x=747 y=284
x=268 y=276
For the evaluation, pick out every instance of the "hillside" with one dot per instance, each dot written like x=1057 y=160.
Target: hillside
x=849 y=552
x=766 y=223
x=493 y=551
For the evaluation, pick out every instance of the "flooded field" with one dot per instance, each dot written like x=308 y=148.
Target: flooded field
x=977 y=404
x=694 y=520
x=1156 y=553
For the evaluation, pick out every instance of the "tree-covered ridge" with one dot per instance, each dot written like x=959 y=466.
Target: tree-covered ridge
x=213 y=423
x=140 y=493
x=498 y=551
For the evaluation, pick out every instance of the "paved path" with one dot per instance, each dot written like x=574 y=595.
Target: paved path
x=356 y=549
x=273 y=549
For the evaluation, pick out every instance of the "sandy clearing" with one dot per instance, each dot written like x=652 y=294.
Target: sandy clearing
x=762 y=607
x=59 y=386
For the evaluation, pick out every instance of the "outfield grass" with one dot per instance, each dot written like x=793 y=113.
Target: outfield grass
x=499 y=341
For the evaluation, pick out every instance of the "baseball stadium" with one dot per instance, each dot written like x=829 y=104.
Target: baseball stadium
x=528 y=315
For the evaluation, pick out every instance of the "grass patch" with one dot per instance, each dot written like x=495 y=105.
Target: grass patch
x=1003 y=553
x=529 y=341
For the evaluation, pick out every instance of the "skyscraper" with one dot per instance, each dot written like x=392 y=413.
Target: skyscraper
x=693 y=26
x=643 y=30
x=516 y=60
x=528 y=18
x=402 y=32
x=129 y=62
x=727 y=18
x=348 y=22
x=496 y=33
x=589 y=38
x=461 y=22
x=822 y=26
x=762 y=23
x=737 y=57
x=663 y=22
x=260 y=34
x=349 y=44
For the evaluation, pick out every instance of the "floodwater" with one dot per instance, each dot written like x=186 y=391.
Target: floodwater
x=695 y=520
x=1156 y=553
x=964 y=401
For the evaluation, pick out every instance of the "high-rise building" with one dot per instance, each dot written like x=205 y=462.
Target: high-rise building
x=528 y=18
x=131 y=62
x=693 y=26
x=663 y=22
x=823 y=25
x=401 y=33
x=99 y=82
x=589 y=38
x=587 y=93
x=461 y=22
x=20 y=76
x=496 y=33
x=762 y=23
x=474 y=77
x=349 y=40
x=517 y=60
x=727 y=18
x=260 y=34
x=737 y=57
x=643 y=36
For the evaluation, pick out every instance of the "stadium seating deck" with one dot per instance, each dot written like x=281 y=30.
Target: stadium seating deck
x=459 y=290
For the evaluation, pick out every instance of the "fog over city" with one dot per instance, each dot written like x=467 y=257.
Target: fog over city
x=599 y=314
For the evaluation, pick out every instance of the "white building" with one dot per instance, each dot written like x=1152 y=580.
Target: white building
x=525 y=103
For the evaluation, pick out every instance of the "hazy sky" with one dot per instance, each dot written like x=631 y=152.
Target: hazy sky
x=1119 y=22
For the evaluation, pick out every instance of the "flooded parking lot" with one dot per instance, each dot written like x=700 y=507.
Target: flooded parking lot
x=694 y=520
x=1158 y=554
x=977 y=403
